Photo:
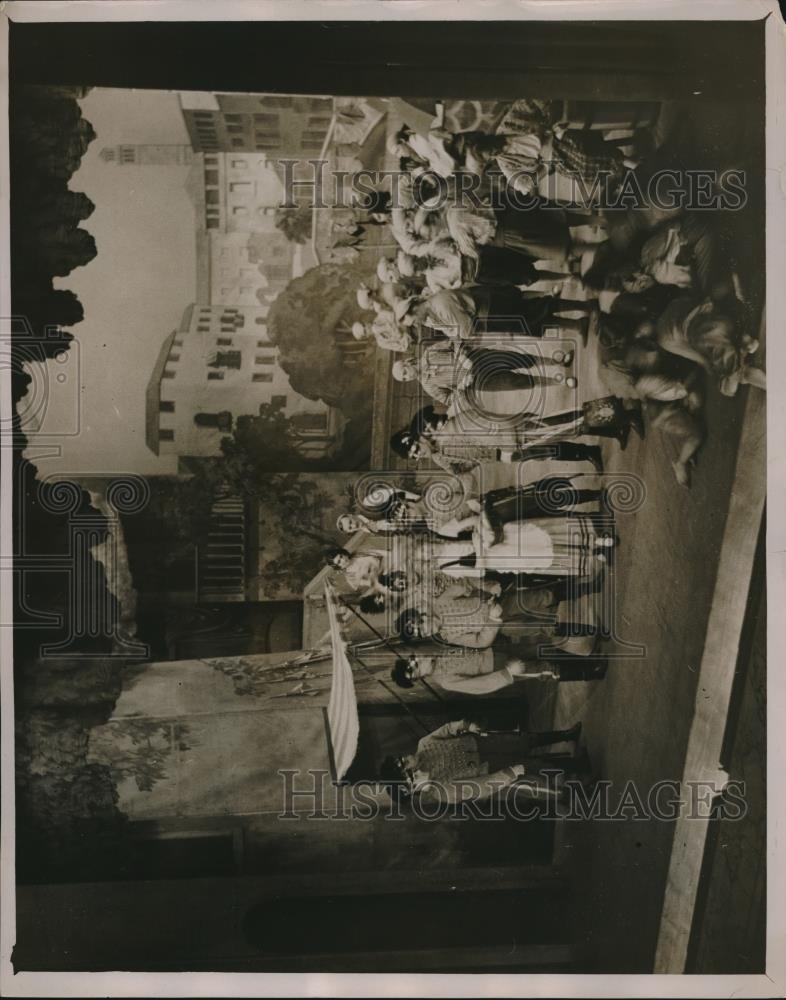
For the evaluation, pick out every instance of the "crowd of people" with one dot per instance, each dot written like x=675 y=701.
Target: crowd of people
x=475 y=596
x=491 y=229
x=495 y=587
x=478 y=592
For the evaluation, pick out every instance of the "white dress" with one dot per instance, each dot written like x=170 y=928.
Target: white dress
x=553 y=546
x=432 y=149
x=362 y=571
x=562 y=546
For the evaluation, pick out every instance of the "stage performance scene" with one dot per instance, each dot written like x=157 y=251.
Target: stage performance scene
x=390 y=474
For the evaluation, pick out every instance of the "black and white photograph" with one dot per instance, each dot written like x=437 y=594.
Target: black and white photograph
x=385 y=463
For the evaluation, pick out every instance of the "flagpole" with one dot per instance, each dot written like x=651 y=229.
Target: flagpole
x=398 y=698
x=369 y=626
x=391 y=648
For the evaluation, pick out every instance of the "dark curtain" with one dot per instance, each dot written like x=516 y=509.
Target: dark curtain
x=583 y=60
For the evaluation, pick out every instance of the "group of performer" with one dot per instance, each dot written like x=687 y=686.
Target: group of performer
x=495 y=587
x=484 y=221
x=475 y=595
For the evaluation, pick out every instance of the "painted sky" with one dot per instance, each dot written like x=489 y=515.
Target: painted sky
x=134 y=292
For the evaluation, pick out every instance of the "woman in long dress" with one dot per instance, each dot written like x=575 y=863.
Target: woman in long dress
x=474 y=255
x=529 y=146
x=552 y=546
x=510 y=237
x=472 y=310
x=516 y=147
x=530 y=125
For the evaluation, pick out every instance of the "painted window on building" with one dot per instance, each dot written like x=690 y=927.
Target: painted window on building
x=222 y=420
x=274 y=101
x=310 y=421
x=227 y=359
x=312 y=103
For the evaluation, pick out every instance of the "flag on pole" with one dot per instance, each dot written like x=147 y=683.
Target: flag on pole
x=342 y=720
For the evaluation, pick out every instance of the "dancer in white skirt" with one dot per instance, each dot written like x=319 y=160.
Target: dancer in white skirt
x=552 y=546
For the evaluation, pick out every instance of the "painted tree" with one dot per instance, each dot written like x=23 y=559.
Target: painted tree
x=60 y=249
x=56 y=206
x=61 y=306
x=295 y=223
x=68 y=823
x=308 y=322
x=260 y=445
x=297 y=520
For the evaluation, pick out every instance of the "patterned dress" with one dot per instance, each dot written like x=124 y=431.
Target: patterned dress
x=533 y=151
x=448 y=754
